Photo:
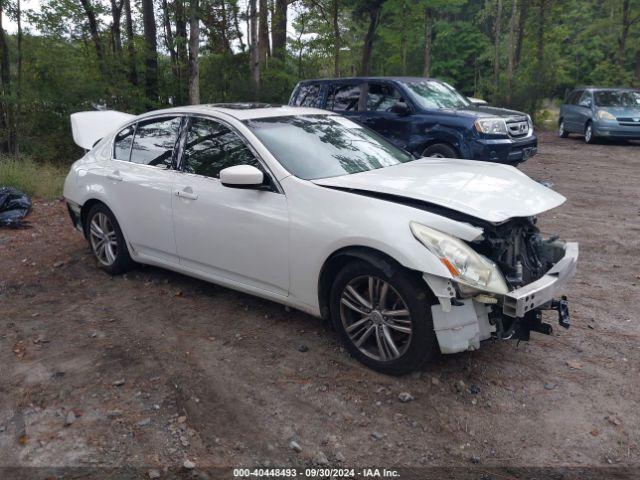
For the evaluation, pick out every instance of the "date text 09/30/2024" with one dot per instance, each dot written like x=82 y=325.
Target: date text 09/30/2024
x=315 y=473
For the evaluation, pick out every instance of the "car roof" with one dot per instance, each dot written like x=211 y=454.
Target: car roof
x=241 y=110
x=369 y=79
x=606 y=89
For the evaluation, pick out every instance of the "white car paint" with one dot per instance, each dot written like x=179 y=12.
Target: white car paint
x=274 y=244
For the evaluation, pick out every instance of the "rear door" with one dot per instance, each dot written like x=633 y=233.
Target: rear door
x=139 y=182
x=233 y=234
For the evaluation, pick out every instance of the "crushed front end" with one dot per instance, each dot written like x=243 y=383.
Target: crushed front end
x=536 y=271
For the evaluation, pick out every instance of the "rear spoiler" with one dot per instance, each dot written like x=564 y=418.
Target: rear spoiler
x=89 y=127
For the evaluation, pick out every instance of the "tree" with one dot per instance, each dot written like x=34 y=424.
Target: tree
x=263 y=33
x=90 y=12
x=496 y=63
x=194 y=48
x=131 y=49
x=254 y=48
x=279 y=29
x=6 y=132
x=372 y=10
x=428 y=33
x=150 y=51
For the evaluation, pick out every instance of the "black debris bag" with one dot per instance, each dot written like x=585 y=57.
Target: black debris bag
x=14 y=206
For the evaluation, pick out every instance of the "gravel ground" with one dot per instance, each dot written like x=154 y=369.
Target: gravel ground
x=153 y=368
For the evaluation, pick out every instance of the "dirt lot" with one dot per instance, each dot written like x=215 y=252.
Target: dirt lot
x=158 y=368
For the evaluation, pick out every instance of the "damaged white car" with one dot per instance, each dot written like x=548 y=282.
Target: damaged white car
x=310 y=209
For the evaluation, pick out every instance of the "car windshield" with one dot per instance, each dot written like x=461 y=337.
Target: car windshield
x=617 y=98
x=322 y=146
x=434 y=94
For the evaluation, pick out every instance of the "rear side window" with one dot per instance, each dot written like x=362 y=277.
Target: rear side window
x=308 y=96
x=212 y=146
x=122 y=144
x=154 y=142
x=344 y=98
x=382 y=97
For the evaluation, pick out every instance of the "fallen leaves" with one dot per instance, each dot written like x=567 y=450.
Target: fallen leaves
x=20 y=350
x=574 y=364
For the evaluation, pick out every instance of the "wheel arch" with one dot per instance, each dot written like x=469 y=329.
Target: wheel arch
x=436 y=141
x=86 y=208
x=340 y=258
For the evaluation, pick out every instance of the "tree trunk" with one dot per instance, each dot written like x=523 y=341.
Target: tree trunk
x=540 y=33
x=279 y=29
x=636 y=69
x=263 y=41
x=403 y=40
x=168 y=40
x=131 y=48
x=367 y=49
x=428 y=32
x=95 y=36
x=512 y=46
x=6 y=133
x=497 y=28
x=254 y=48
x=622 y=39
x=194 y=46
x=337 y=39
x=16 y=129
x=522 y=18
x=236 y=25
x=150 y=51
x=181 y=48
x=116 y=35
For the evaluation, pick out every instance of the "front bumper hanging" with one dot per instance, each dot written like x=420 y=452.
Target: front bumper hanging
x=542 y=292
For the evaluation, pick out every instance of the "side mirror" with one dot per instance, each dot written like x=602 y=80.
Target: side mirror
x=586 y=103
x=241 y=176
x=401 y=108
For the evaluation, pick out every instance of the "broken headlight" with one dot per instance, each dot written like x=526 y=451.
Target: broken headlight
x=465 y=264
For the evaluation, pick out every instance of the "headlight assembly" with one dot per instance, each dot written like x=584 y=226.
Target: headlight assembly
x=465 y=264
x=604 y=115
x=491 y=126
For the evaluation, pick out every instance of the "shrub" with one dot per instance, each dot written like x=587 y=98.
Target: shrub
x=42 y=180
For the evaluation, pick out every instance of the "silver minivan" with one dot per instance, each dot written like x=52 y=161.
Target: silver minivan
x=595 y=113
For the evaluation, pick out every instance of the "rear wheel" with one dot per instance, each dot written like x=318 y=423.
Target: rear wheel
x=589 y=137
x=440 y=150
x=384 y=321
x=562 y=132
x=106 y=240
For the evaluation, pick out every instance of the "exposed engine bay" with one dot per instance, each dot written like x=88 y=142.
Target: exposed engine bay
x=519 y=249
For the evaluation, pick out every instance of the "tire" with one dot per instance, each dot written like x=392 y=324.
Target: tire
x=562 y=132
x=440 y=150
x=589 y=137
x=412 y=349
x=113 y=256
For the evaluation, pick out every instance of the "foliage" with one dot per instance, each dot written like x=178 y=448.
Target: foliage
x=37 y=179
x=564 y=43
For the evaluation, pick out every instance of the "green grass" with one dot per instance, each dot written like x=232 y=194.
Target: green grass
x=35 y=179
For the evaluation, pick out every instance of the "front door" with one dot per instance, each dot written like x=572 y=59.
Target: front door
x=381 y=114
x=233 y=234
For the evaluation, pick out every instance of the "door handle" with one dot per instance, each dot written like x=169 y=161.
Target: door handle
x=114 y=176
x=187 y=195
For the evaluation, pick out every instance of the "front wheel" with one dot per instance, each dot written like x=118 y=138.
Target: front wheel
x=440 y=150
x=562 y=132
x=589 y=137
x=384 y=321
x=106 y=240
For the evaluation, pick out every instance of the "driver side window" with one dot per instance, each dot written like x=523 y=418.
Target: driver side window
x=382 y=98
x=211 y=147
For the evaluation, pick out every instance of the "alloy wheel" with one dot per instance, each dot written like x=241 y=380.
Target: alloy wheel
x=103 y=239
x=376 y=318
x=561 y=130
x=437 y=155
x=588 y=133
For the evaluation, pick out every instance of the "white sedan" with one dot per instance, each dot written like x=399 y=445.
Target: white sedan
x=408 y=257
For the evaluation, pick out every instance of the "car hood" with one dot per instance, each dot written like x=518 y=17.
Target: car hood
x=488 y=191
x=477 y=111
